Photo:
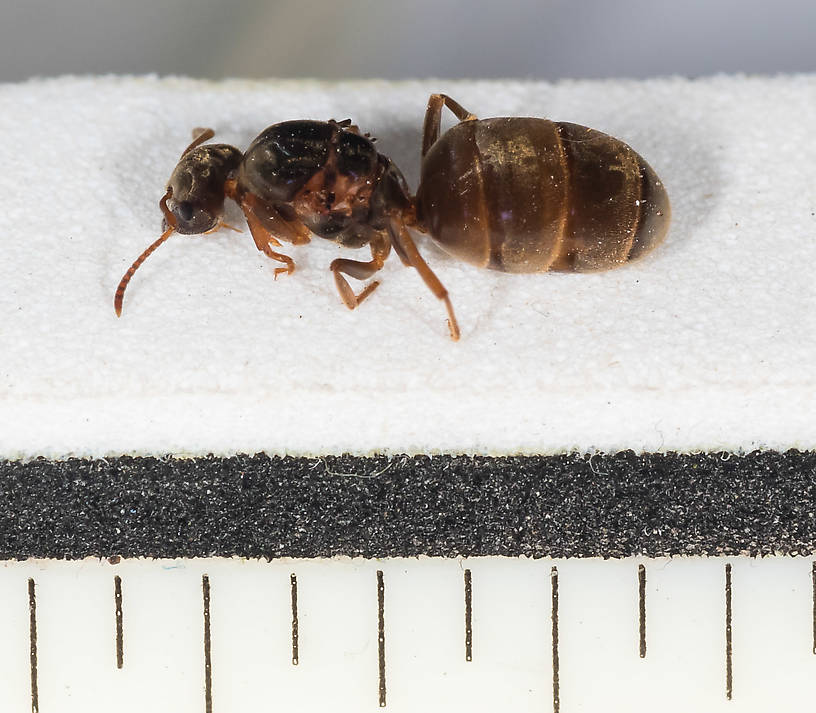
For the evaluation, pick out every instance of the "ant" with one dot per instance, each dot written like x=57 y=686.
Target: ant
x=510 y=194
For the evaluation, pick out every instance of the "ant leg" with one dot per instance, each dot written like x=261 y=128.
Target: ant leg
x=401 y=254
x=288 y=230
x=264 y=240
x=433 y=118
x=380 y=248
x=200 y=135
x=404 y=246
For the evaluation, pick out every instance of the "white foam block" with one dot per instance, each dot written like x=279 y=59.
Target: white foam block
x=708 y=343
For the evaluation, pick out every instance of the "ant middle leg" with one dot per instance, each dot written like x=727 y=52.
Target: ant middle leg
x=433 y=118
x=380 y=248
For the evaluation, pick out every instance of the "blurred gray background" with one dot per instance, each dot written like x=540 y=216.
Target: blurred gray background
x=547 y=39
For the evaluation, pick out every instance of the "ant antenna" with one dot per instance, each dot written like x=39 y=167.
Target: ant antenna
x=200 y=135
x=171 y=227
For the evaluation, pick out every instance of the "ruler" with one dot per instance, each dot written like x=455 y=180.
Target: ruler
x=407 y=634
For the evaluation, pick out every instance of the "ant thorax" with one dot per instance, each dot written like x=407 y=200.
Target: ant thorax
x=331 y=202
x=320 y=173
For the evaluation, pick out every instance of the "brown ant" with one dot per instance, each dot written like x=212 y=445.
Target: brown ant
x=510 y=194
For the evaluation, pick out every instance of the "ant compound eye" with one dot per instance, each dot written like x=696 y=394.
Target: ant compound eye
x=184 y=210
x=192 y=218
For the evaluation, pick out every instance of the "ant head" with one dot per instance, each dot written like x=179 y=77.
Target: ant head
x=194 y=200
x=195 y=191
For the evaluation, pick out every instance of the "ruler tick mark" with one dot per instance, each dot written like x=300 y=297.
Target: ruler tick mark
x=813 y=579
x=729 y=680
x=205 y=590
x=468 y=616
x=381 y=635
x=117 y=599
x=32 y=644
x=642 y=609
x=555 y=682
x=295 y=652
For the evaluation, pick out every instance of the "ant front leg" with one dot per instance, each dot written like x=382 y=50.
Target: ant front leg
x=380 y=248
x=267 y=225
x=433 y=118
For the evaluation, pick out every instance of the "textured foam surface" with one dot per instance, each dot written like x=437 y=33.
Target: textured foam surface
x=708 y=343
x=556 y=506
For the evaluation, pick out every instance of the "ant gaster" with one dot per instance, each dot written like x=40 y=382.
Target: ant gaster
x=510 y=194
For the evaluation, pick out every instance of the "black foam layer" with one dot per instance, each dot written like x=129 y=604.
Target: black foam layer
x=557 y=506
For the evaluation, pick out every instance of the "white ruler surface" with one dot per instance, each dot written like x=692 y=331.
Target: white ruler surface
x=482 y=634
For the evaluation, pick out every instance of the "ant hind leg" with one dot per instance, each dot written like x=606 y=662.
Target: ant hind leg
x=433 y=118
x=405 y=247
